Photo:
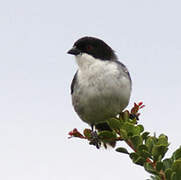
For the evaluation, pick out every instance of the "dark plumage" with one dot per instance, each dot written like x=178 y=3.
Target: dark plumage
x=95 y=47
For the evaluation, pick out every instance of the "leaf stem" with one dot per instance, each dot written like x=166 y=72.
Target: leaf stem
x=129 y=143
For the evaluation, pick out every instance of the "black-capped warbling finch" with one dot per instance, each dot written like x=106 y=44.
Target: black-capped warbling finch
x=101 y=87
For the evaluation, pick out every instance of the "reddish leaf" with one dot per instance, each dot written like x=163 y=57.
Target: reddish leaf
x=75 y=133
x=140 y=103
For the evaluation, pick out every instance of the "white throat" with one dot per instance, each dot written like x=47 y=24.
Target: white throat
x=85 y=60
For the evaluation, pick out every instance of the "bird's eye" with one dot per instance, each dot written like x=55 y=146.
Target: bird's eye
x=89 y=47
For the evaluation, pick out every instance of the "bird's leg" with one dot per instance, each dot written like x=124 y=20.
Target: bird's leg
x=92 y=127
x=95 y=139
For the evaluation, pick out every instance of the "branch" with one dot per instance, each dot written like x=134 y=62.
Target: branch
x=147 y=151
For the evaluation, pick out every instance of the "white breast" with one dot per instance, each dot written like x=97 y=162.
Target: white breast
x=103 y=89
x=91 y=69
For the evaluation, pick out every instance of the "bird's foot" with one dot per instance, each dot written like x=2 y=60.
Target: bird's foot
x=95 y=140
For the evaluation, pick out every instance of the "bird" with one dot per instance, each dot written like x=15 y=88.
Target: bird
x=102 y=85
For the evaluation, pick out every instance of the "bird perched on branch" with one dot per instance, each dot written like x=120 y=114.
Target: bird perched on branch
x=101 y=87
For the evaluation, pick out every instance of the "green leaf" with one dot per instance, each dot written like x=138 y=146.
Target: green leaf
x=159 y=150
x=145 y=154
x=155 y=139
x=145 y=135
x=123 y=134
x=143 y=151
x=122 y=150
x=142 y=147
x=156 y=178
x=136 y=140
x=163 y=140
x=129 y=128
x=136 y=130
x=141 y=128
x=106 y=135
x=137 y=159
x=160 y=158
x=125 y=115
x=168 y=174
x=177 y=167
x=149 y=143
x=149 y=168
x=121 y=118
x=177 y=154
x=159 y=166
x=174 y=176
x=114 y=124
x=167 y=163
x=140 y=161
x=133 y=155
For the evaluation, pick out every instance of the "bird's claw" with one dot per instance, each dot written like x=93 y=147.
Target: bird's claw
x=95 y=140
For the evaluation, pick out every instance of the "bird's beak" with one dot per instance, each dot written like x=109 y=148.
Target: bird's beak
x=74 y=51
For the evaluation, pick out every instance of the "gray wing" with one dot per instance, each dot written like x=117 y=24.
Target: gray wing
x=73 y=83
x=124 y=68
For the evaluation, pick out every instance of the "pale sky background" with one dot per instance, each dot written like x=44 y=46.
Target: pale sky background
x=35 y=76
